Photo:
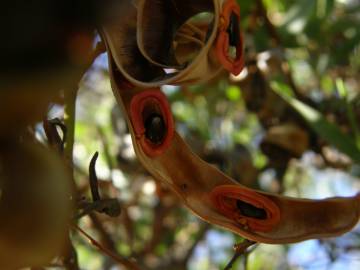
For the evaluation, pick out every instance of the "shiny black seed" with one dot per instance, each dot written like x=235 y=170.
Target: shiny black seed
x=155 y=129
x=248 y=210
x=234 y=30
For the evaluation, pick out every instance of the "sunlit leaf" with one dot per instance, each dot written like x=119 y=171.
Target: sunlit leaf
x=233 y=93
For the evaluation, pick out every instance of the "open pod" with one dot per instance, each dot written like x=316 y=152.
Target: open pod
x=218 y=199
x=165 y=42
x=152 y=121
x=229 y=44
x=248 y=208
x=160 y=21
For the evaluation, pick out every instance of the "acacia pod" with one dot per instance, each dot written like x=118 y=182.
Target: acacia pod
x=140 y=39
x=152 y=121
x=218 y=199
x=230 y=36
x=159 y=21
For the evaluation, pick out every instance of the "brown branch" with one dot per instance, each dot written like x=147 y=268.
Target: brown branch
x=69 y=117
x=70 y=260
x=93 y=178
x=104 y=235
x=240 y=250
x=69 y=256
x=117 y=258
x=53 y=137
x=110 y=207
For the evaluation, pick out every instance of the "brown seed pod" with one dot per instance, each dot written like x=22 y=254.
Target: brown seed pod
x=148 y=39
x=34 y=205
x=218 y=199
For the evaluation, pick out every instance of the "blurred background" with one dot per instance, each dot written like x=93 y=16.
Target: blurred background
x=240 y=124
x=247 y=126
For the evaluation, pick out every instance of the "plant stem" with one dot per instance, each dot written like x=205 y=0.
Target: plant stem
x=240 y=249
x=69 y=118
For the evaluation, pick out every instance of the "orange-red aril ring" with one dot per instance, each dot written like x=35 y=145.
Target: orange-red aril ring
x=246 y=207
x=230 y=36
x=152 y=121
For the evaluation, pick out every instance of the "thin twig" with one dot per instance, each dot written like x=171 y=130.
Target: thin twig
x=123 y=261
x=52 y=134
x=70 y=101
x=70 y=259
x=70 y=95
x=111 y=207
x=69 y=118
x=93 y=178
x=105 y=237
x=240 y=249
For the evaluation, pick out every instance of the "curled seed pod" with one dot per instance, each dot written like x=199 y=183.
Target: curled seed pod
x=214 y=196
x=34 y=205
x=147 y=43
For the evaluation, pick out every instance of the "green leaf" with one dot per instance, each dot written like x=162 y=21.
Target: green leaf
x=233 y=93
x=328 y=131
x=298 y=15
x=281 y=88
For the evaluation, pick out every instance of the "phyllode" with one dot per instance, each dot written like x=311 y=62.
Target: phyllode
x=206 y=191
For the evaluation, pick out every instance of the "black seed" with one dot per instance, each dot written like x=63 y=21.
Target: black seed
x=234 y=30
x=155 y=129
x=248 y=210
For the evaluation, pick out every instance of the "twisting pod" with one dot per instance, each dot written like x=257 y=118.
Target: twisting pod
x=119 y=34
x=143 y=41
x=158 y=23
x=152 y=42
x=218 y=199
